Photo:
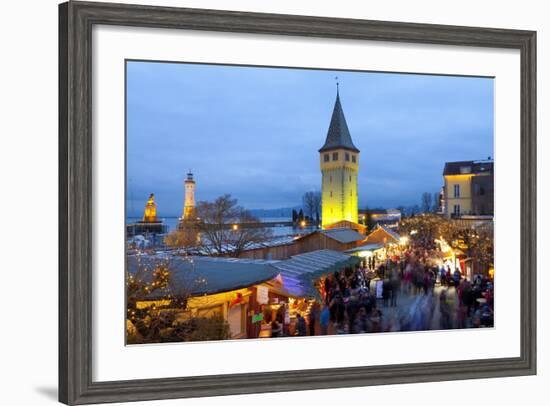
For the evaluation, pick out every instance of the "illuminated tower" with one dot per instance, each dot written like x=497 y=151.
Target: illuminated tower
x=150 y=212
x=339 y=167
x=189 y=212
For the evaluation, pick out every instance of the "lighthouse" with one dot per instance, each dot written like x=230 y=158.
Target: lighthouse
x=189 y=211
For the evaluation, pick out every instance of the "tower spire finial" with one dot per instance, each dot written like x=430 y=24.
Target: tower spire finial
x=337 y=85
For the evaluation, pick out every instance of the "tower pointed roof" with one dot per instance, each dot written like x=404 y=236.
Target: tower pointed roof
x=338 y=135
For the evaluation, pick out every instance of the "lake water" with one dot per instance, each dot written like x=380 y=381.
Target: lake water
x=172 y=223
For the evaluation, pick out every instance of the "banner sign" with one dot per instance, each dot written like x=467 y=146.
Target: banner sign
x=262 y=294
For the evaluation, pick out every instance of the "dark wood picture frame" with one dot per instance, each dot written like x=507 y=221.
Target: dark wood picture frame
x=76 y=20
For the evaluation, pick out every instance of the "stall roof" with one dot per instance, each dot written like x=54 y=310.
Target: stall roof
x=300 y=271
x=198 y=275
x=366 y=247
x=343 y=235
x=396 y=236
x=201 y=275
x=273 y=242
x=374 y=235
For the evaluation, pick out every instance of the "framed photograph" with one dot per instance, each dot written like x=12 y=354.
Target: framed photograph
x=259 y=202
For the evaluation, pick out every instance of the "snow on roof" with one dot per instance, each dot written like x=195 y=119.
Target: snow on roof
x=343 y=235
x=209 y=275
x=366 y=247
x=197 y=275
x=299 y=271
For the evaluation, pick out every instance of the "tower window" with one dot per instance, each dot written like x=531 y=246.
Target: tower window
x=456 y=190
x=335 y=156
x=326 y=157
x=353 y=159
x=347 y=156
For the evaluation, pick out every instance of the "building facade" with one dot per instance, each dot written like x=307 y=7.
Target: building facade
x=384 y=217
x=468 y=188
x=339 y=161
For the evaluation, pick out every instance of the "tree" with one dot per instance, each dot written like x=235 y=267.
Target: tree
x=426 y=228
x=147 y=279
x=165 y=319
x=423 y=229
x=227 y=228
x=435 y=203
x=307 y=203
x=312 y=204
x=414 y=210
x=317 y=203
x=481 y=247
x=301 y=215
x=426 y=204
x=294 y=216
x=368 y=220
x=182 y=238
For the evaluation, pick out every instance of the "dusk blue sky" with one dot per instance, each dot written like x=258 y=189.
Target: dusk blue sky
x=255 y=132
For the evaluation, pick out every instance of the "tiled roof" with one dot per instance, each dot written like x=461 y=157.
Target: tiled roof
x=468 y=167
x=338 y=135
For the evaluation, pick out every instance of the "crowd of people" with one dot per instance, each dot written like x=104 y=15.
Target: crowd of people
x=398 y=295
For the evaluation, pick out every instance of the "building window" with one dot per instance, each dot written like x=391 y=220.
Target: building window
x=456 y=210
x=351 y=193
x=350 y=178
x=347 y=156
x=335 y=156
x=326 y=157
x=457 y=190
x=353 y=159
x=331 y=193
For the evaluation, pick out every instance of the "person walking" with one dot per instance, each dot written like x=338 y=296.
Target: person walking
x=456 y=277
x=396 y=288
x=442 y=275
x=312 y=318
x=324 y=320
x=301 y=327
x=276 y=329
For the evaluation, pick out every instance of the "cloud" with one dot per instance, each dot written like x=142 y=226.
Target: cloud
x=255 y=132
